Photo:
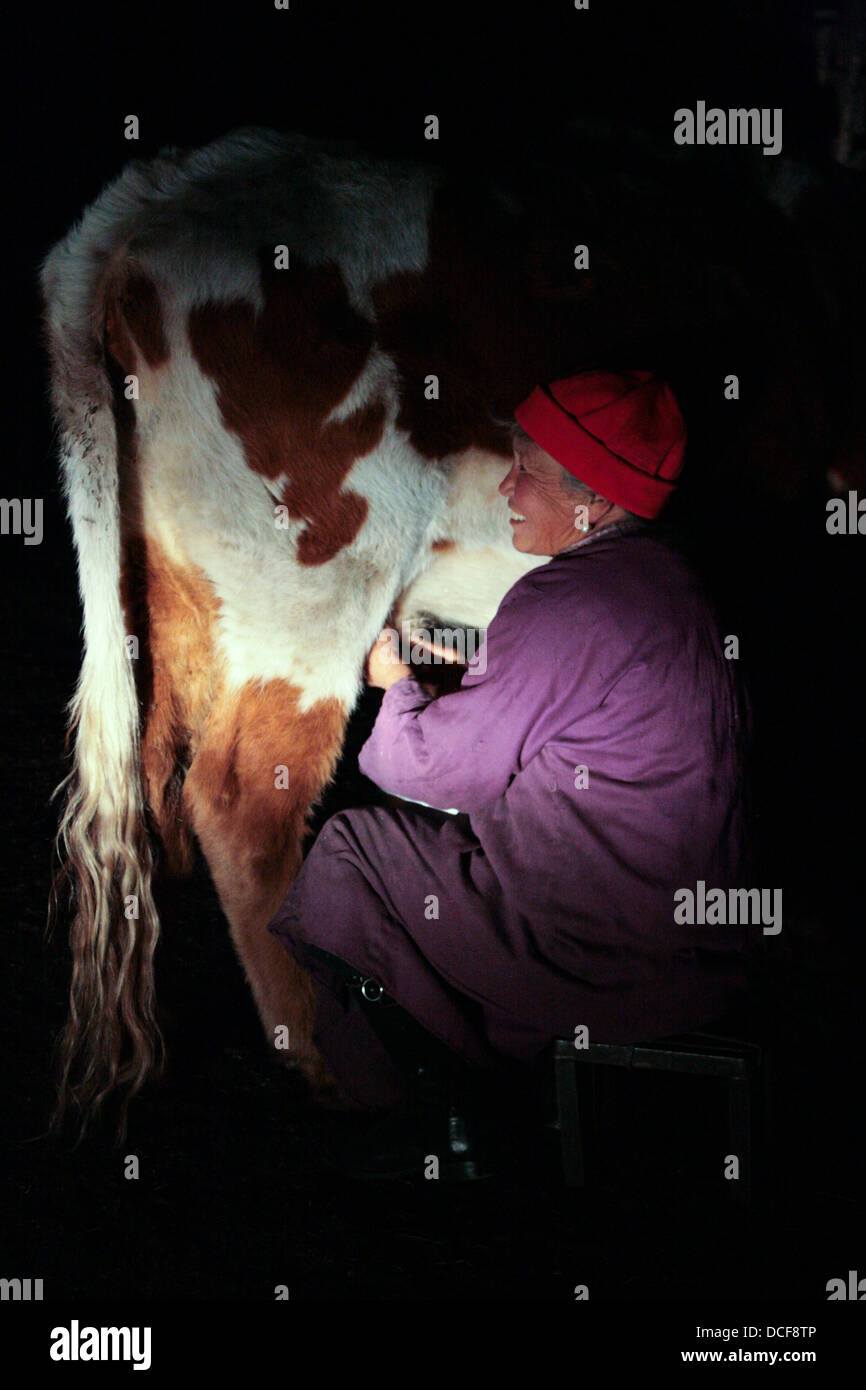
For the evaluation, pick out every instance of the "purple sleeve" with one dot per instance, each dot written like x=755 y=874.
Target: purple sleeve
x=462 y=750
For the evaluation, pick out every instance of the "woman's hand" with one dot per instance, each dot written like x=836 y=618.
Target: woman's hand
x=383 y=664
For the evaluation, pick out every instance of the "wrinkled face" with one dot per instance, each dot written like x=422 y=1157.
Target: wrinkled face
x=544 y=512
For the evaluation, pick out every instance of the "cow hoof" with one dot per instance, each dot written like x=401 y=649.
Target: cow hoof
x=323 y=1086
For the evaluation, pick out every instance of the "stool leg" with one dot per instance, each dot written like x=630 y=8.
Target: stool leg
x=768 y=1123
x=740 y=1136
x=568 y=1106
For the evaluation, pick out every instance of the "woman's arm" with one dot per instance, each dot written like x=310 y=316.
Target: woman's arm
x=462 y=749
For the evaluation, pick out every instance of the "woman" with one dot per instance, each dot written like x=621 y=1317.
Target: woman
x=596 y=759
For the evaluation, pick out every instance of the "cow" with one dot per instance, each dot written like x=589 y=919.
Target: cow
x=282 y=372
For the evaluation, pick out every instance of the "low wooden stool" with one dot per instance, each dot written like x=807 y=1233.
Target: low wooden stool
x=743 y=1064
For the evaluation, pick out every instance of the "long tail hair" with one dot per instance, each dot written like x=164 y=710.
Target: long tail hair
x=111 y=1039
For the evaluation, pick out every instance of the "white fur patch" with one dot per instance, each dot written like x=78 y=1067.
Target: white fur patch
x=311 y=624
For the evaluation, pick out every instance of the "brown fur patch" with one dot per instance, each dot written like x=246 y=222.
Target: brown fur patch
x=279 y=374
x=251 y=831
x=133 y=319
x=468 y=318
x=249 y=734
x=180 y=674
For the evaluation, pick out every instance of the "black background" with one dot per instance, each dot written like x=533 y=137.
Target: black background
x=231 y=1201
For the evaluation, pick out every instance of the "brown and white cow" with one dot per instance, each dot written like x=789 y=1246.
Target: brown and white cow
x=261 y=465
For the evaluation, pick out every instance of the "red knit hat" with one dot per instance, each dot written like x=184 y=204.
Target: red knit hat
x=620 y=432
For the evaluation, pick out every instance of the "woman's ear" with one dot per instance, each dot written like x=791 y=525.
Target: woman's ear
x=598 y=506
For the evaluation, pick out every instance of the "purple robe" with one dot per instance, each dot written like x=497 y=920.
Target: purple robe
x=595 y=753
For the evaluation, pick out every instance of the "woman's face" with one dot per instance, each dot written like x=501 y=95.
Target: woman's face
x=546 y=517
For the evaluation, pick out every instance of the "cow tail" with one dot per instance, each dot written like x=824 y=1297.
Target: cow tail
x=104 y=860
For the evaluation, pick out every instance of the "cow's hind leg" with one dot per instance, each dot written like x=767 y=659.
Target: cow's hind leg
x=262 y=762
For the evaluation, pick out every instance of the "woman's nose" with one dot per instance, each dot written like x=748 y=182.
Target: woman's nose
x=506 y=487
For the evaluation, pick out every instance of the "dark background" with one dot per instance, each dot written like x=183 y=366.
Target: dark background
x=231 y=1200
